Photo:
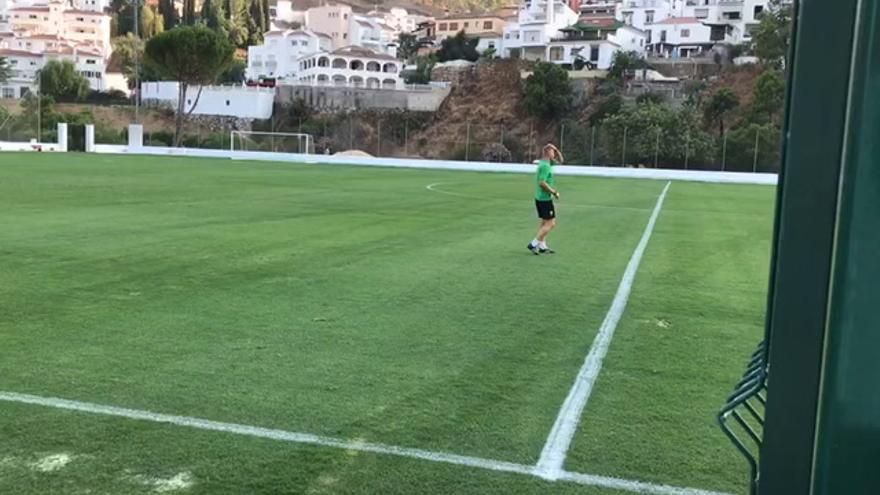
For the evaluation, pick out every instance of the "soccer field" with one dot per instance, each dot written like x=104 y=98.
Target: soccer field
x=278 y=328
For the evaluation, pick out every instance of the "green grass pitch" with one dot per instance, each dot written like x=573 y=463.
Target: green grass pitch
x=355 y=303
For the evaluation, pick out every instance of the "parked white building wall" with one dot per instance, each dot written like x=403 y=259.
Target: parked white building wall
x=231 y=101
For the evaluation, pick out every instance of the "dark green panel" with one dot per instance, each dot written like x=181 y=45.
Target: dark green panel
x=848 y=450
x=818 y=86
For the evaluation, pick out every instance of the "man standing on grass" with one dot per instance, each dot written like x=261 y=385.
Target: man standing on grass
x=545 y=191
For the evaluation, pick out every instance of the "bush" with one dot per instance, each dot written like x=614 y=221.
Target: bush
x=548 y=91
x=497 y=152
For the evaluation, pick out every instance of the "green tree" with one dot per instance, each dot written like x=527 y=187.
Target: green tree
x=657 y=132
x=151 y=22
x=422 y=75
x=407 y=46
x=771 y=36
x=650 y=98
x=694 y=91
x=170 y=18
x=234 y=74
x=189 y=12
x=255 y=22
x=458 y=47
x=237 y=22
x=718 y=106
x=126 y=51
x=190 y=55
x=769 y=95
x=622 y=64
x=214 y=17
x=60 y=80
x=266 y=24
x=31 y=105
x=548 y=91
x=5 y=69
x=608 y=106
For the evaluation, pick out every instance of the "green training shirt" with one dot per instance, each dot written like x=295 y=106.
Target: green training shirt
x=545 y=174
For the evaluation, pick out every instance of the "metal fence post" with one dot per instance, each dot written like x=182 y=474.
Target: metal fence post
x=467 y=144
x=657 y=149
x=406 y=137
x=593 y=147
x=378 y=137
x=687 y=150
x=724 y=153
x=757 y=141
x=562 y=138
x=623 y=158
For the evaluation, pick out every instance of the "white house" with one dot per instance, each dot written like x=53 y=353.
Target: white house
x=280 y=52
x=86 y=27
x=399 y=19
x=351 y=66
x=538 y=23
x=594 y=43
x=680 y=37
x=24 y=65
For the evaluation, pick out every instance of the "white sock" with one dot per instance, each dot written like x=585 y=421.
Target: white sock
x=535 y=242
x=543 y=245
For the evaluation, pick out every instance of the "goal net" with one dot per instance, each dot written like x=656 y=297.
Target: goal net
x=278 y=142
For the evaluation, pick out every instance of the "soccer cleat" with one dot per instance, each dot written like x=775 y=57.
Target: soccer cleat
x=546 y=250
x=534 y=249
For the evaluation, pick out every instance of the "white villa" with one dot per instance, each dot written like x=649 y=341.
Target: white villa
x=538 y=23
x=594 y=43
x=279 y=55
x=351 y=66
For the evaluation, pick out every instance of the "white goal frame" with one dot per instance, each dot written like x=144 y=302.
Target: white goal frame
x=306 y=142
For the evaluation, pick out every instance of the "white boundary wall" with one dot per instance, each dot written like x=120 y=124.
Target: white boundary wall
x=633 y=173
x=33 y=145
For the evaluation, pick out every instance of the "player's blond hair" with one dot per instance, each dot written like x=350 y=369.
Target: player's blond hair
x=550 y=150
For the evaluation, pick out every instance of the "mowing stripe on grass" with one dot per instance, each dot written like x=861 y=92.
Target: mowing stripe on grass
x=433 y=188
x=550 y=464
x=376 y=448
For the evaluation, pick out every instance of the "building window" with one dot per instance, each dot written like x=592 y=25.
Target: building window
x=663 y=36
x=345 y=36
x=649 y=17
x=441 y=27
x=8 y=92
x=90 y=61
x=227 y=103
x=556 y=53
x=453 y=26
x=701 y=13
x=488 y=25
x=685 y=33
x=594 y=53
x=467 y=24
x=81 y=19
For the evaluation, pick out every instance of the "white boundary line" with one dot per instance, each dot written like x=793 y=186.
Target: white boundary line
x=417 y=163
x=550 y=464
x=376 y=448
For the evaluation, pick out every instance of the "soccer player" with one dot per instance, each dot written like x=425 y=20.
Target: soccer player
x=545 y=191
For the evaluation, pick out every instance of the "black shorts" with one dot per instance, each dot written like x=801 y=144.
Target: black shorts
x=546 y=210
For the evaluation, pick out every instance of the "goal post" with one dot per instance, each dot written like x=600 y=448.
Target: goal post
x=277 y=142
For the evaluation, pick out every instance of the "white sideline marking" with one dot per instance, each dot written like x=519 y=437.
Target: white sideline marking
x=377 y=448
x=433 y=188
x=554 y=452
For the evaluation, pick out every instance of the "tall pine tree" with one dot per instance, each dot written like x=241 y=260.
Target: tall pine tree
x=189 y=12
x=169 y=14
x=255 y=22
x=213 y=16
x=237 y=24
x=267 y=25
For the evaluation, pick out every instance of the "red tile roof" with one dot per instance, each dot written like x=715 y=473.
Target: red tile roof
x=17 y=53
x=680 y=20
x=30 y=9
